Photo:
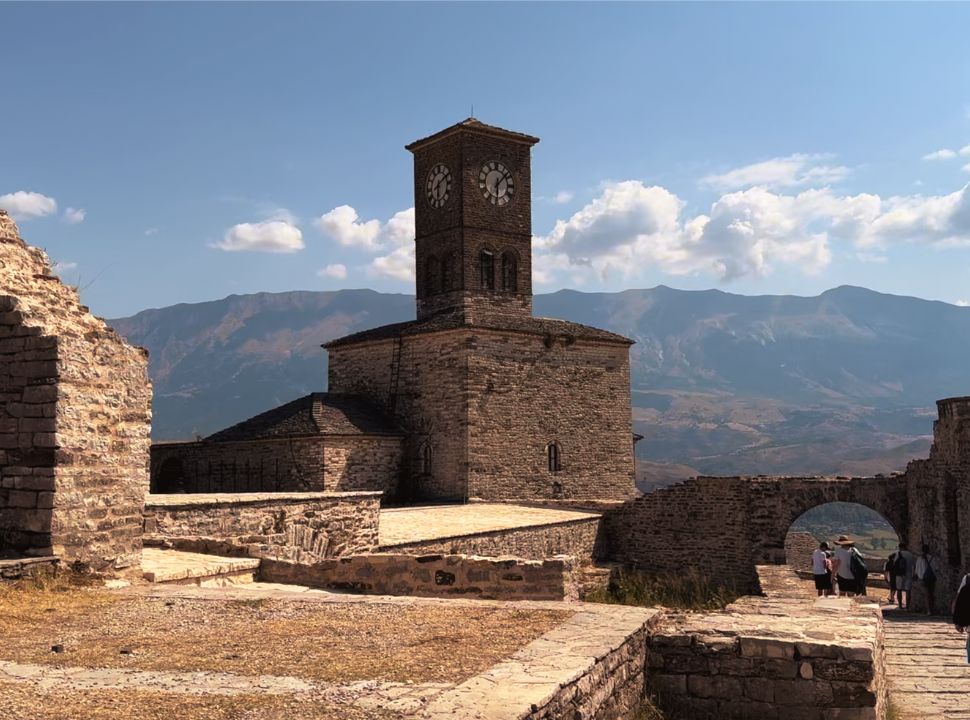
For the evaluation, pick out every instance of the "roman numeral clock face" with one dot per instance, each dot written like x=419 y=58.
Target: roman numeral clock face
x=496 y=183
x=439 y=186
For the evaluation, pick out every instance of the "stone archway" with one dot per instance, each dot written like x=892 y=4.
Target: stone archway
x=75 y=418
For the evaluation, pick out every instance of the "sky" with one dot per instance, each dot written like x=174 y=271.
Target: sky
x=166 y=153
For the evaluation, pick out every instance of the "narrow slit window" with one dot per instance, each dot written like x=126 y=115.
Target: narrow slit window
x=554 y=457
x=510 y=277
x=426 y=459
x=487 y=263
x=446 y=274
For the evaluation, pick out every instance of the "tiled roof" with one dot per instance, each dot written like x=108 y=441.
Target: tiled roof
x=476 y=126
x=314 y=414
x=436 y=323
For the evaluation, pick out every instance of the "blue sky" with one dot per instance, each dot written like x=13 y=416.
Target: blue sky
x=182 y=152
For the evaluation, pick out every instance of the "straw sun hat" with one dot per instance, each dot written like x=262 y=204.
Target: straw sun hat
x=845 y=540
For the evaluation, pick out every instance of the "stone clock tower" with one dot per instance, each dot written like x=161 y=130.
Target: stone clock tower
x=473 y=223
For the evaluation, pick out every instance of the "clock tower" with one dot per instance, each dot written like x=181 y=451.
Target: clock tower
x=473 y=223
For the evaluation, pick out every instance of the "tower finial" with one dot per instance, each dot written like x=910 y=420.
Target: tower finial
x=473 y=111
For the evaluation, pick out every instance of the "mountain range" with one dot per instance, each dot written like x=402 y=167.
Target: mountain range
x=843 y=382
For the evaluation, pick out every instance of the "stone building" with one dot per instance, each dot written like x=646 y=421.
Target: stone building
x=75 y=415
x=493 y=403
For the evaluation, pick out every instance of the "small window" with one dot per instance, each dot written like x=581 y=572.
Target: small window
x=446 y=274
x=426 y=458
x=510 y=276
x=487 y=262
x=554 y=456
x=431 y=276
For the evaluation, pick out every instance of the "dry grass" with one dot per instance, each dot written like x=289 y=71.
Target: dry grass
x=649 y=711
x=24 y=702
x=336 y=642
x=690 y=591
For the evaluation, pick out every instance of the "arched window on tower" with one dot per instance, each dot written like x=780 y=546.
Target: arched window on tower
x=510 y=272
x=431 y=275
x=427 y=457
x=554 y=457
x=487 y=264
x=447 y=275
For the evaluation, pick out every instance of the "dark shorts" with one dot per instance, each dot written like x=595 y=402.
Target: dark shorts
x=847 y=585
x=823 y=582
x=929 y=585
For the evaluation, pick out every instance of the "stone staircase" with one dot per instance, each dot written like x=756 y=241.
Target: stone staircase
x=186 y=568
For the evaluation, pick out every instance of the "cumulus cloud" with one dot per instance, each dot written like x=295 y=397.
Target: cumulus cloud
x=745 y=233
x=394 y=239
x=25 y=205
x=942 y=154
x=796 y=170
x=965 y=150
x=336 y=271
x=74 y=216
x=274 y=236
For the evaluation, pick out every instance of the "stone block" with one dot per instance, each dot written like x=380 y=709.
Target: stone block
x=768 y=648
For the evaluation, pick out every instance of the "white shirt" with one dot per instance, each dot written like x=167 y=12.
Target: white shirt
x=844 y=556
x=923 y=562
x=963 y=584
x=818 y=562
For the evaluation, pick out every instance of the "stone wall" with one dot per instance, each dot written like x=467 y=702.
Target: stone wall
x=581 y=539
x=310 y=464
x=302 y=527
x=799 y=547
x=505 y=578
x=489 y=402
x=75 y=420
x=772 y=660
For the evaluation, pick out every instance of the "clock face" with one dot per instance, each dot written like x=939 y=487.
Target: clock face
x=439 y=186
x=496 y=183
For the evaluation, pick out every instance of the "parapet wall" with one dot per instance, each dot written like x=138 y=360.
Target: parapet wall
x=433 y=576
x=302 y=527
x=75 y=418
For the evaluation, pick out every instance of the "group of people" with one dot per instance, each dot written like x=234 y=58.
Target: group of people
x=844 y=572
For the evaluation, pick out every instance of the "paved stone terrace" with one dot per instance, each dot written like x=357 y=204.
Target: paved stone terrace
x=401 y=526
x=175 y=566
x=927 y=666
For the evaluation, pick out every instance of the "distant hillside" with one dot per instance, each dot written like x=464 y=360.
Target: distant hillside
x=838 y=383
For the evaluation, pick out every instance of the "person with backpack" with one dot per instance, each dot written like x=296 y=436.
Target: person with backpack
x=852 y=570
x=904 y=564
x=961 y=611
x=822 y=570
x=927 y=577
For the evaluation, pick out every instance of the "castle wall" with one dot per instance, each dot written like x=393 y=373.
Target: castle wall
x=332 y=463
x=74 y=420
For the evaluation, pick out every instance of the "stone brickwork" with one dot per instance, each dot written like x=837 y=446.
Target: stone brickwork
x=313 y=464
x=581 y=539
x=799 y=547
x=302 y=527
x=506 y=578
x=771 y=659
x=74 y=421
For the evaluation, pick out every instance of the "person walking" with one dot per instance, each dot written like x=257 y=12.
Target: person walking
x=904 y=565
x=822 y=570
x=848 y=570
x=960 y=608
x=890 y=572
x=927 y=577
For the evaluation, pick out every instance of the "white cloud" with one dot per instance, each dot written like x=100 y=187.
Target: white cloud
x=744 y=233
x=795 y=170
x=871 y=258
x=73 y=216
x=962 y=303
x=151 y=231
x=394 y=239
x=966 y=168
x=562 y=197
x=24 y=205
x=62 y=267
x=334 y=270
x=273 y=236
x=965 y=150
x=943 y=154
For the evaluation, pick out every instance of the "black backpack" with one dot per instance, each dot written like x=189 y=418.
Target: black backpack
x=961 y=606
x=860 y=571
x=900 y=566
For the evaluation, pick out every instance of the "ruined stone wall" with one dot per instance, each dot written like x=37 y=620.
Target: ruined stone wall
x=429 y=404
x=330 y=463
x=772 y=660
x=74 y=420
x=799 y=547
x=302 y=527
x=581 y=539
x=507 y=578
x=525 y=392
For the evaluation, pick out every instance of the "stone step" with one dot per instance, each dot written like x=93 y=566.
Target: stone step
x=185 y=568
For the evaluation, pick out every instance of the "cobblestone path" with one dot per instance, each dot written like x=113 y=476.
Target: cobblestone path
x=927 y=666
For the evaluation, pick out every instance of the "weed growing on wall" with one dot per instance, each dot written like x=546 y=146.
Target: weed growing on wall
x=688 y=591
